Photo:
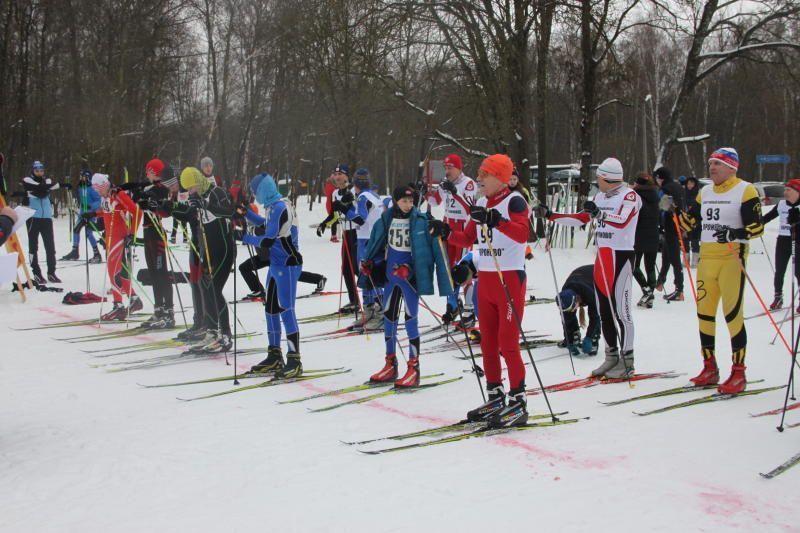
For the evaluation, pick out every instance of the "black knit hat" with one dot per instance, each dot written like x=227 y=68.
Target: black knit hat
x=403 y=191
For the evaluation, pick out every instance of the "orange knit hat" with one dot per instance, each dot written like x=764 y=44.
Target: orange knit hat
x=499 y=166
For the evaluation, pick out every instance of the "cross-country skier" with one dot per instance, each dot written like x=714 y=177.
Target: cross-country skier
x=577 y=293
x=783 y=244
x=615 y=211
x=647 y=237
x=342 y=199
x=150 y=200
x=671 y=249
x=499 y=221
x=88 y=200
x=280 y=239
x=457 y=192
x=211 y=206
x=401 y=241
x=366 y=210
x=121 y=218
x=729 y=212
x=38 y=186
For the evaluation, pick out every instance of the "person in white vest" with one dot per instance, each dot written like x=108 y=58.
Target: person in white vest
x=367 y=209
x=615 y=212
x=783 y=244
x=499 y=222
x=729 y=214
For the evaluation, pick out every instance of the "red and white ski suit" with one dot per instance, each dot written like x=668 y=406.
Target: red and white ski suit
x=121 y=217
x=456 y=211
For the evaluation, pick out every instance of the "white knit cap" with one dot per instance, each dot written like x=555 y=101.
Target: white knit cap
x=610 y=170
x=100 y=179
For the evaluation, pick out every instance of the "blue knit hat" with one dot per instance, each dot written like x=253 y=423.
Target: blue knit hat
x=361 y=179
x=567 y=300
x=344 y=169
x=38 y=165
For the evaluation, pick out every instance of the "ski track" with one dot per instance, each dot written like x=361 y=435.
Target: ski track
x=82 y=450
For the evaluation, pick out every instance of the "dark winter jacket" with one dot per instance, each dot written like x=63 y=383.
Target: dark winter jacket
x=647 y=225
x=38 y=190
x=670 y=187
x=581 y=280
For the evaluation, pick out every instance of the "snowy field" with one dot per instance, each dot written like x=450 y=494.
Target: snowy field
x=84 y=450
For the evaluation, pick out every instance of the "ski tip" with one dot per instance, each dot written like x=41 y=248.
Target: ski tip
x=765 y=476
x=369 y=452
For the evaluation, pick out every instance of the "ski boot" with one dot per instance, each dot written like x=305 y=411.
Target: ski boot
x=389 y=371
x=494 y=404
x=589 y=345
x=612 y=358
x=695 y=260
x=200 y=338
x=411 y=379
x=293 y=367
x=221 y=343
x=155 y=317
x=320 y=285
x=515 y=414
x=187 y=334
x=165 y=319
x=272 y=363
x=449 y=315
x=118 y=312
x=135 y=304
x=646 y=301
x=777 y=303
x=624 y=367
x=38 y=279
x=255 y=296
x=709 y=375
x=96 y=258
x=660 y=286
x=467 y=320
x=348 y=309
x=675 y=296
x=334 y=238
x=375 y=322
x=72 y=256
x=736 y=382
x=52 y=278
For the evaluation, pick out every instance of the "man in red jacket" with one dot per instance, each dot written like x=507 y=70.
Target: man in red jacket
x=499 y=221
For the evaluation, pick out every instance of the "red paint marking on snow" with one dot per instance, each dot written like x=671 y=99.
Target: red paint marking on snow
x=561 y=457
x=728 y=505
x=101 y=327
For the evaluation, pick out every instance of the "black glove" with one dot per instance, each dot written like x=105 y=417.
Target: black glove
x=461 y=273
x=542 y=211
x=448 y=186
x=347 y=197
x=793 y=217
x=481 y=215
x=437 y=228
x=341 y=206
x=320 y=229
x=241 y=210
x=196 y=201
x=591 y=208
x=726 y=234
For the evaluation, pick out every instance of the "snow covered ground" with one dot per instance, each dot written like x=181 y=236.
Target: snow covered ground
x=86 y=450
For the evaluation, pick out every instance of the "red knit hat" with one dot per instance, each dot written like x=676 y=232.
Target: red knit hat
x=156 y=166
x=454 y=160
x=794 y=184
x=499 y=166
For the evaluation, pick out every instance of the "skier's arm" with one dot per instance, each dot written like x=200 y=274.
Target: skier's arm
x=772 y=215
x=276 y=217
x=516 y=227
x=622 y=218
x=688 y=219
x=220 y=204
x=254 y=218
x=751 y=213
x=570 y=219
x=359 y=213
x=435 y=198
x=466 y=238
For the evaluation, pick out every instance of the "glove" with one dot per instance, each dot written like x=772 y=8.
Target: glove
x=241 y=210
x=461 y=273
x=341 y=206
x=402 y=271
x=481 y=215
x=729 y=234
x=437 y=228
x=542 y=211
x=366 y=267
x=347 y=197
x=666 y=203
x=448 y=186
x=794 y=216
x=320 y=229
x=196 y=201
x=591 y=208
x=589 y=345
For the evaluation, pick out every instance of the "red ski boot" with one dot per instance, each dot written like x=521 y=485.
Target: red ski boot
x=709 y=375
x=411 y=379
x=735 y=383
x=388 y=373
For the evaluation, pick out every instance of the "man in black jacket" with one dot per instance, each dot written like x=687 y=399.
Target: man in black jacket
x=578 y=292
x=671 y=251
x=646 y=244
x=692 y=187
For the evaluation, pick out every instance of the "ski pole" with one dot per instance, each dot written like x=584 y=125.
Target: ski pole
x=766 y=252
x=795 y=339
x=516 y=318
x=235 y=316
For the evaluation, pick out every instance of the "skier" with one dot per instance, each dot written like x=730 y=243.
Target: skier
x=401 y=241
x=364 y=213
x=150 y=200
x=671 y=250
x=280 y=238
x=615 y=210
x=499 y=221
x=646 y=240
x=342 y=199
x=783 y=244
x=88 y=200
x=38 y=186
x=691 y=189
x=577 y=293
x=457 y=192
x=729 y=213
x=212 y=208
x=121 y=218
x=332 y=220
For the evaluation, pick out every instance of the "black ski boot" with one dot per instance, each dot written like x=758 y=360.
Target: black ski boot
x=495 y=403
x=186 y=334
x=272 y=363
x=676 y=296
x=293 y=368
x=72 y=256
x=96 y=258
x=320 y=285
x=646 y=301
x=155 y=317
x=348 y=309
x=516 y=414
x=52 y=278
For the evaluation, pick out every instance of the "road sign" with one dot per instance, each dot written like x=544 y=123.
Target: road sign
x=780 y=159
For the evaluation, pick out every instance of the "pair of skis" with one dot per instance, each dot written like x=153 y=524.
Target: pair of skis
x=591 y=381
